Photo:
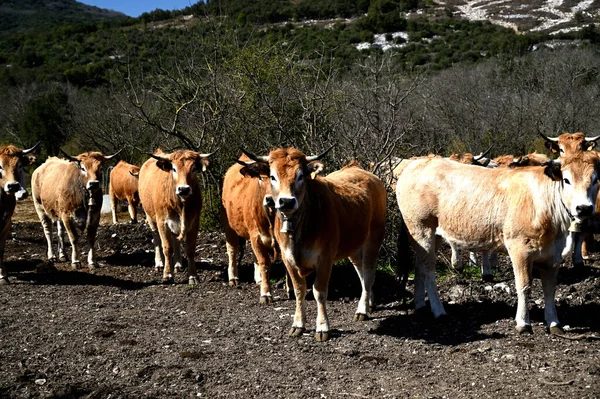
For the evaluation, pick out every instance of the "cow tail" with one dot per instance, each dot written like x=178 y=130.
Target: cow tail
x=404 y=258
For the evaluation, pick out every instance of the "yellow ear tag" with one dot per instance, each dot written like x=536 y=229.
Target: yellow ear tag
x=575 y=227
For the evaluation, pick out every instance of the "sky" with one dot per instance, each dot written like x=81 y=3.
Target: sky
x=134 y=8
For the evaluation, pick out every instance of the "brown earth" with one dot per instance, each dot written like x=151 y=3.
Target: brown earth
x=118 y=333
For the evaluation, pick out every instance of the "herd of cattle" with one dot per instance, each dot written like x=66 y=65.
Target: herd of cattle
x=530 y=207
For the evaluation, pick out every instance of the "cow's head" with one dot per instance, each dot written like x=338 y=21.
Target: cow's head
x=183 y=165
x=479 y=160
x=569 y=143
x=289 y=170
x=260 y=171
x=90 y=165
x=578 y=175
x=12 y=173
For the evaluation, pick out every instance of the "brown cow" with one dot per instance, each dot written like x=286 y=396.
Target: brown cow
x=246 y=215
x=12 y=189
x=523 y=211
x=321 y=220
x=68 y=191
x=123 y=186
x=170 y=194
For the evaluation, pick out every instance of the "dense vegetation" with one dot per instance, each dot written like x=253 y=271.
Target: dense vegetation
x=221 y=81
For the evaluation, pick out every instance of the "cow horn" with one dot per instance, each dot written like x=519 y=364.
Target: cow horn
x=159 y=158
x=478 y=157
x=586 y=139
x=550 y=139
x=107 y=157
x=25 y=152
x=69 y=157
x=321 y=155
x=254 y=157
x=209 y=154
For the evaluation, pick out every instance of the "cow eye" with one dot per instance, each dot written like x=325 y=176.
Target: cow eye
x=272 y=178
x=566 y=181
x=300 y=177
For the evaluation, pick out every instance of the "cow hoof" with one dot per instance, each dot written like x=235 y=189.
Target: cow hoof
x=322 y=336
x=92 y=266
x=266 y=300
x=525 y=330
x=372 y=308
x=76 y=265
x=296 y=331
x=487 y=278
x=360 y=317
x=61 y=258
x=193 y=282
x=234 y=282
x=168 y=280
x=4 y=281
x=578 y=265
x=178 y=268
x=555 y=330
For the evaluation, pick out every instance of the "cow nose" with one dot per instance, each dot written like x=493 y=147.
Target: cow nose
x=183 y=190
x=287 y=203
x=269 y=201
x=13 y=186
x=584 y=210
x=93 y=184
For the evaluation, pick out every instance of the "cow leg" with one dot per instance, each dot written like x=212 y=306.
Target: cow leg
x=47 y=226
x=548 y=277
x=176 y=244
x=300 y=292
x=424 y=247
x=61 y=242
x=159 y=257
x=72 y=233
x=578 y=240
x=233 y=248
x=113 y=205
x=167 y=249
x=522 y=268
x=472 y=259
x=3 y=271
x=132 y=211
x=91 y=239
x=455 y=259
x=486 y=265
x=320 y=294
x=366 y=273
x=190 y=248
x=263 y=260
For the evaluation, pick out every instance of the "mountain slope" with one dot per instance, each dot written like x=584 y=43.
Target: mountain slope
x=23 y=15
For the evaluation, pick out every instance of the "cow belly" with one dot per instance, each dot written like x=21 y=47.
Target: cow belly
x=474 y=242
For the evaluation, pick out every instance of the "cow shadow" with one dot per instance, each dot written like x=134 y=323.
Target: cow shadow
x=38 y=272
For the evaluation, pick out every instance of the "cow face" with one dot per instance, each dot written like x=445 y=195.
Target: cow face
x=289 y=173
x=570 y=143
x=183 y=166
x=579 y=177
x=12 y=172
x=90 y=165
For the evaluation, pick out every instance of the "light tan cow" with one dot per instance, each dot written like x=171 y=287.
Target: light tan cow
x=123 y=186
x=523 y=211
x=12 y=189
x=171 y=197
x=248 y=214
x=565 y=145
x=321 y=220
x=68 y=191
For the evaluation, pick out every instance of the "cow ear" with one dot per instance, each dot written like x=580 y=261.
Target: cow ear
x=136 y=174
x=254 y=169
x=28 y=160
x=588 y=145
x=314 y=168
x=164 y=164
x=552 y=146
x=552 y=170
x=202 y=163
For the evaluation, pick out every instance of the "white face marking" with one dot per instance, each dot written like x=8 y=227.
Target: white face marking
x=274 y=179
x=299 y=179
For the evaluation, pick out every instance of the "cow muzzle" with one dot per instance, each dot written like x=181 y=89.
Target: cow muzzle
x=268 y=201
x=286 y=204
x=584 y=211
x=12 y=187
x=21 y=194
x=92 y=185
x=183 y=190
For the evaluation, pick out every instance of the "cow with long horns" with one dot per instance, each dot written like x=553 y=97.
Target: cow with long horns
x=123 y=186
x=68 y=191
x=321 y=220
x=170 y=195
x=12 y=189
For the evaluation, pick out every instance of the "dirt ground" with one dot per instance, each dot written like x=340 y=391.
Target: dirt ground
x=118 y=333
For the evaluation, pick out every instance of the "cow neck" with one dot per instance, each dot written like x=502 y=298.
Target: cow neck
x=300 y=226
x=564 y=220
x=7 y=207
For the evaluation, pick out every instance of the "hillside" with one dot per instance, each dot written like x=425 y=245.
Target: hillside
x=24 y=15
